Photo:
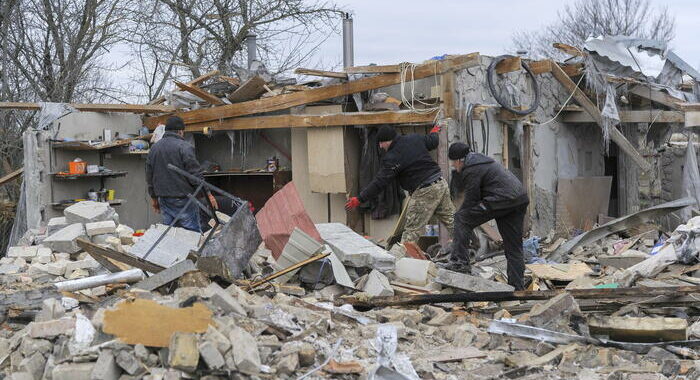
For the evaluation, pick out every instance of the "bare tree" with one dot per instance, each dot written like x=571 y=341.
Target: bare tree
x=592 y=18
x=186 y=38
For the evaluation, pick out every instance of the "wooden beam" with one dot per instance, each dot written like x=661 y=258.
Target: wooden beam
x=374 y=69
x=250 y=89
x=9 y=177
x=231 y=80
x=689 y=107
x=573 y=69
x=568 y=49
x=447 y=84
x=321 y=73
x=317 y=94
x=583 y=100
x=657 y=96
x=304 y=121
x=509 y=65
x=540 y=67
x=288 y=269
x=198 y=92
x=193 y=82
x=125 y=258
x=629 y=116
x=127 y=108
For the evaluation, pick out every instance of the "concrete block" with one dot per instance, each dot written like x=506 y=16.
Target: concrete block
x=129 y=363
x=99 y=228
x=86 y=264
x=21 y=376
x=10 y=269
x=183 y=353
x=63 y=240
x=24 y=252
x=220 y=340
x=288 y=364
x=33 y=365
x=37 y=269
x=642 y=330
x=61 y=256
x=469 y=283
x=89 y=212
x=51 y=309
x=211 y=355
x=353 y=249
x=625 y=260
x=245 y=355
x=166 y=276
x=555 y=314
x=57 y=268
x=224 y=300
x=414 y=271
x=51 y=329
x=106 y=367
x=104 y=239
x=43 y=256
x=72 y=371
x=56 y=224
x=377 y=284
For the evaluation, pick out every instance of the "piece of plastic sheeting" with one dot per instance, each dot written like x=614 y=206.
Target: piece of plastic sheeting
x=691 y=179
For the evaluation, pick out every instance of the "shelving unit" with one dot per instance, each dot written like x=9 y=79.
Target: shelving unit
x=110 y=174
x=63 y=205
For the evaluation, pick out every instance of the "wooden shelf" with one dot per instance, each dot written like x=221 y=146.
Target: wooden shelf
x=242 y=174
x=97 y=145
x=63 y=205
x=89 y=175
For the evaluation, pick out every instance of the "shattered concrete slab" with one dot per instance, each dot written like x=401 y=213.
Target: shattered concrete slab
x=174 y=247
x=469 y=283
x=89 y=212
x=300 y=247
x=353 y=249
x=377 y=284
x=414 y=271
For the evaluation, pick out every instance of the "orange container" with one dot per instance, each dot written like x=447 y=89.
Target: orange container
x=77 y=167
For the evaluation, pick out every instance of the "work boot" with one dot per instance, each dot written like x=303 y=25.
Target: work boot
x=456 y=267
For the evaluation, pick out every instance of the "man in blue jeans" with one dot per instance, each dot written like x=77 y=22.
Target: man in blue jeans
x=169 y=190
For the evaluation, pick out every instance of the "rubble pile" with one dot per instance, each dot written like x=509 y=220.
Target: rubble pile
x=84 y=298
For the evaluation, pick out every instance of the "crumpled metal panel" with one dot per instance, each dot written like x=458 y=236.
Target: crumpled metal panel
x=283 y=212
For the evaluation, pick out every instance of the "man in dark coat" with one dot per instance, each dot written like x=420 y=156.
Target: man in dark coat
x=408 y=159
x=169 y=190
x=490 y=192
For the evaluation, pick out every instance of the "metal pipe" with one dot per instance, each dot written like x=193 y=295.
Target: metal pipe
x=251 y=42
x=348 y=43
x=127 y=276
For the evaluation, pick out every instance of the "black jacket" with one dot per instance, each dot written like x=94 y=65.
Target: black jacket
x=162 y=182
x=484 y=180
x=407 y=159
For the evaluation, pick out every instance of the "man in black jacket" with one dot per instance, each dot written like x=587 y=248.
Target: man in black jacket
x=169 y=190
x=490 y=192
x=408 y=159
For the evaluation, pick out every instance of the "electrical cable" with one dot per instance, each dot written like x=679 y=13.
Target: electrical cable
x=490 y=73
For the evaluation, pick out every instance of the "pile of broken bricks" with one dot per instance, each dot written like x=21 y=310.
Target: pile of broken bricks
x=83 y=298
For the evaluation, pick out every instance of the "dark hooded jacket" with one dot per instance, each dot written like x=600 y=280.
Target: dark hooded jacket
x=163 y=182
x=409 y=160
x=485 y=181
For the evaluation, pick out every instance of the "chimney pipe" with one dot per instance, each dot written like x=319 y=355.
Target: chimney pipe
x=251 y=42
x=348 y=45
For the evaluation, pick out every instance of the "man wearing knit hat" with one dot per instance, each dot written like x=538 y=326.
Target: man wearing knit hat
x=167 y=189
x=490 y=192
x=408 y=159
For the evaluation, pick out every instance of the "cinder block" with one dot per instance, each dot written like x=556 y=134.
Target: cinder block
x=99 y=228
x=183 y=353
x=414 y=271
x=89 y=212
x=24 y=252
x=72 y=371
x=64 y=239
x=377 y=285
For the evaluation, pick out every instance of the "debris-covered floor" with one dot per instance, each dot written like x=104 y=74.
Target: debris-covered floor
x=619 y=303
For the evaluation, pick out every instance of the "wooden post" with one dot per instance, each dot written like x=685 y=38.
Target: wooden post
x=448 y=106
x=505 y=151
x=526 y=165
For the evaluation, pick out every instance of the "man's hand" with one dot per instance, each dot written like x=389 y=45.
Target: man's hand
x=436 y=129
x=352 y=203
x=213 y=201
x=155 y=205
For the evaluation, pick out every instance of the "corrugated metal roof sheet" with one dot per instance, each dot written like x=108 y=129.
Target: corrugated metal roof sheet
x=281 y=214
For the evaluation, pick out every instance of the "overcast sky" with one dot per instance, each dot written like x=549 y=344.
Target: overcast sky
x=393 y=31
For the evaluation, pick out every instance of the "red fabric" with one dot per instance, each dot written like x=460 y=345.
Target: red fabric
x=352 y=203
x=281 y=214
x=436 y=129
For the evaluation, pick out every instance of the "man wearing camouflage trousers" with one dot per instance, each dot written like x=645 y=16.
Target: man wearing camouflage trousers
x=408 y=159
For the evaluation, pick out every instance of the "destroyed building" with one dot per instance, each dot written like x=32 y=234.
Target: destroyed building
x=602 y=142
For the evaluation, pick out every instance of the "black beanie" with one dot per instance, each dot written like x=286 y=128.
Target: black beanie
x=386 y=133
x=457 y=150
x=174 y=123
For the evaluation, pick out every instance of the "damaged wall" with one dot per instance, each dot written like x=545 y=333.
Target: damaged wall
x=243 y=150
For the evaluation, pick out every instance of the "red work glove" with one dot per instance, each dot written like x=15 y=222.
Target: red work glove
x=436 y=129
x=352 y=203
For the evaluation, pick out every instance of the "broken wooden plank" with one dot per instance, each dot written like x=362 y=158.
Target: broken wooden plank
x=321 y=73
x=559 y=272
x=627 y=116
x=540 y=67
x=250 y=89
x=523 y=295
x=11 y=176
x=125 y=258
x=231 y=80
x=126 y=108
x=508 y=65
x=568 y=49
x=193 y=82
x=198 y=92
x=657 y=96
x=306 y=121
x=374 y=69
x=692 y=119
x=642 y=330
x=288 y=269
x=149 y=323
x=615 y=135
x=285 y=101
